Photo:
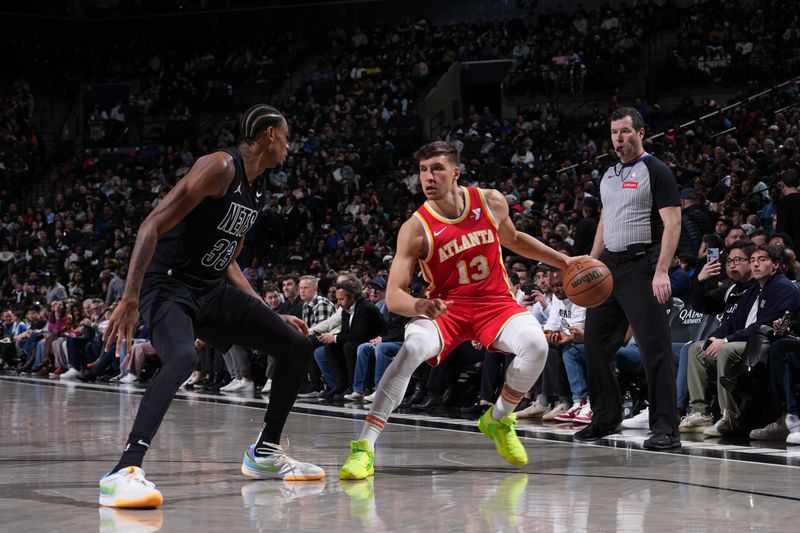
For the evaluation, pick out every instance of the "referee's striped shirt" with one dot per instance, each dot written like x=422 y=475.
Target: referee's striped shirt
x=631 y=194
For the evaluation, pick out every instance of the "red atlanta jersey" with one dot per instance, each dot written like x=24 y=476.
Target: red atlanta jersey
x=464 y=258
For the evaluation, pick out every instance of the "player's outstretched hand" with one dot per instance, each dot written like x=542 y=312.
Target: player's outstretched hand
x=296 y=323
x=577 y=258
x=432 y=308
x=122 y=325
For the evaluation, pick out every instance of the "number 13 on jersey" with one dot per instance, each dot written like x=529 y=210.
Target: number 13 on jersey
x=477 y=270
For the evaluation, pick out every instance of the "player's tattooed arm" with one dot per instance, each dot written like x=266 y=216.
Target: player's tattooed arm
x=208 y=177
x=205 y=179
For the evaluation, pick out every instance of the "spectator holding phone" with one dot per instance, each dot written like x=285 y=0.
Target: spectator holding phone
x=714 y=294
x=764 y=302
x=538 y=296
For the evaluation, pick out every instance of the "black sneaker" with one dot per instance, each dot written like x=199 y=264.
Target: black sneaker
x=476 y=408
x=340 y=394
x=327 y=394
x=431 y=402
x=309 y=394
x=661 y=442
x=333 y=394
x=523 y=404
x=594 y=432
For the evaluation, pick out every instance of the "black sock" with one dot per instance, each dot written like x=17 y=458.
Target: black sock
x=133 y=455
x=266 y=441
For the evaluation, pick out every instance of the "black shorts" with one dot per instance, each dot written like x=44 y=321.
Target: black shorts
x=222 y=315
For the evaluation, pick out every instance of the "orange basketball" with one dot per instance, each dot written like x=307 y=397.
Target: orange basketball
x=588 y=283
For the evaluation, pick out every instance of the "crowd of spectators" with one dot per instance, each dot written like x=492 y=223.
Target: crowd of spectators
x=332 y=211
x=733 y=41
x=20 y=150
x=587 y=50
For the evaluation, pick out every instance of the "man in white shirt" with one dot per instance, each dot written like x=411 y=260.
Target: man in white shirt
x=542 y=294
x=563 y=329
x=564 y=332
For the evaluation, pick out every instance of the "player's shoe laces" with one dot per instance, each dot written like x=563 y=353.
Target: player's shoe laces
x=128 y=488
x=360 y=463
x=505 y=438
x=278 y=465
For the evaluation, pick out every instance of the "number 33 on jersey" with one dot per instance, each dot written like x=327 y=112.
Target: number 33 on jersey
x=464 y=258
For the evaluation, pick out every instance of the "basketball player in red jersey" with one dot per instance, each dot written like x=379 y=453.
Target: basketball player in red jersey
x=456 y=238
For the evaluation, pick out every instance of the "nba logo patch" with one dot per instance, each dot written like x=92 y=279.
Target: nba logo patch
x=630 y=184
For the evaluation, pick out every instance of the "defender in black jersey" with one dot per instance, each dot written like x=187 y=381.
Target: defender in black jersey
x=185 y=282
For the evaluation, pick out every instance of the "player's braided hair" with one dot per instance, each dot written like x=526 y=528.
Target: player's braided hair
x=257 y=119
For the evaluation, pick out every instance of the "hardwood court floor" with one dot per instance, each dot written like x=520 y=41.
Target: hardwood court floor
x=432 y=474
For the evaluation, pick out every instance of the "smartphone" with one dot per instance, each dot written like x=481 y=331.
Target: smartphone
x=528 y=288
x=785 y=321
x=565 y=327
x=713 y=254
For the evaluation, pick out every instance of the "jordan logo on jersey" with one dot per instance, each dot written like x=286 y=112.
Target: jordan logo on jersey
x=237 y=220
x=476 y=213
x=238 y=189
x=465 y=242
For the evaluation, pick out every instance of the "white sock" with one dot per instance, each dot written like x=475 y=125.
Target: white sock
x=373 y=426
x=792 y=420
x=506 y=403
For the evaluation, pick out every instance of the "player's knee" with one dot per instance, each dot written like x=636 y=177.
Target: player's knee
x=420 y=346
x=184 y=361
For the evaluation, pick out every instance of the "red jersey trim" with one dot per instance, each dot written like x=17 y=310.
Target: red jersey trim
x=438 y=356
x=503 y=270
x=488 y=211
x=426 y=273
x=429 y=208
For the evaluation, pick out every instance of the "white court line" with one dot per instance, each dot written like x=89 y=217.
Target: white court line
x=191 y=396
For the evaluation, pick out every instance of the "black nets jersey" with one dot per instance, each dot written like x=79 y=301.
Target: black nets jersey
x=204 y=242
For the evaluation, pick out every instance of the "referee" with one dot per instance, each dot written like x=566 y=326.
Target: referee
x=636 y=238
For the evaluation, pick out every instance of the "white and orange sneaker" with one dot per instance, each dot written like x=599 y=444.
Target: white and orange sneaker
x=278 y=465
x=128 y=489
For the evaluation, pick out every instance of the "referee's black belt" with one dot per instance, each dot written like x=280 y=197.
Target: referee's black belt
x=634 y=251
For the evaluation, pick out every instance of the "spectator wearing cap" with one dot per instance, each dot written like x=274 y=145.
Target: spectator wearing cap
x=789 y=205
x=377 y=294
x=695 y=222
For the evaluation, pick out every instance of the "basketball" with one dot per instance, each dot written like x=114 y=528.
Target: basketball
x=588 y=283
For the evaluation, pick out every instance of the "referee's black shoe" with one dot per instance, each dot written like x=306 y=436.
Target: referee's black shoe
x=594 y=432
x=661 y=442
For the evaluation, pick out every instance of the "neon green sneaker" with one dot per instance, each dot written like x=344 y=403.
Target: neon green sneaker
x=501 y=508
x=360 y=463
x=505 y=438
x=362 y=497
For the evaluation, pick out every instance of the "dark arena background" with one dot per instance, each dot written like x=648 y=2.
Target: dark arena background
x=105 y=105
